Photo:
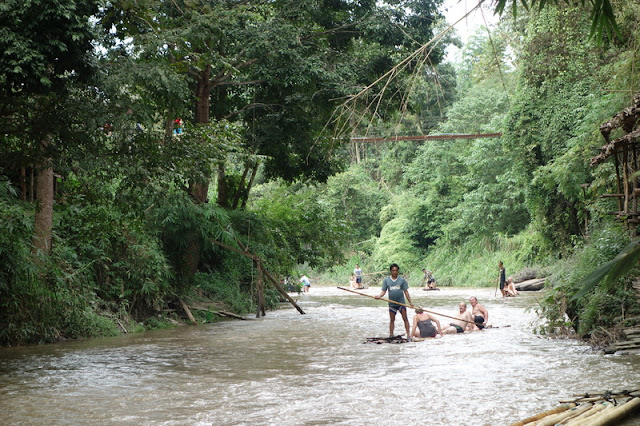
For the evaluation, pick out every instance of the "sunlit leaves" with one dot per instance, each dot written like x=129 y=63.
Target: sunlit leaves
x=603 y=23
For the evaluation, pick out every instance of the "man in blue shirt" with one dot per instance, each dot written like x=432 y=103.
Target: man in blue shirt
x=398 y=288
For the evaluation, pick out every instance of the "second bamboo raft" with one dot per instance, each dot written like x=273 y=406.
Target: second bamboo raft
x=588 y=410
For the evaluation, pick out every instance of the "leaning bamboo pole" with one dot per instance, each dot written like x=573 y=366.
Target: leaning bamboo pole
x=188 y=312
x=259 y=261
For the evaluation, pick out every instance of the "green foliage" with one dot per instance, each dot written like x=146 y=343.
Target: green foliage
x=88 y=323
x=568 y=302
x=303 y=223
x=43 y=43
x=355 y=198
x=127 y=264
x=395 y=246
x=223 y=287
x=603 y=20
x=474 y=262
x=180 y=223
x=547 y=121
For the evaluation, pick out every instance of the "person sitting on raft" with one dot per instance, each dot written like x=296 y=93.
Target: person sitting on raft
x=428 y=281
x=423 y=325
x=510 y=288
x=480 y=313
x=353 y=283
x=464 y=321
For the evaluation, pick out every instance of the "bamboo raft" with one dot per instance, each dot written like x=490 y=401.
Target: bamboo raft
x=391 y=339
x=589 y=409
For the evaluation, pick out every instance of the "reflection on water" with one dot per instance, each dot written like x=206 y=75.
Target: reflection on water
x=311 y=369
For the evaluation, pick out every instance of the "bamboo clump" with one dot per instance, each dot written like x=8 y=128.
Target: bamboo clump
x=588 y=410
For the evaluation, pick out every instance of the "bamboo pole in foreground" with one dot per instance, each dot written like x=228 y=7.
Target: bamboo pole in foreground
x=564 y=416
x=614 y=415
x=544 y=414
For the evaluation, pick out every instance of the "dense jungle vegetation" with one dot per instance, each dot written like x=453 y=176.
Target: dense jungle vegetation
x=141 y=138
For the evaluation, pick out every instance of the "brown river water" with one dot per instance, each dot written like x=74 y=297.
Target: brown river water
x=313 y=369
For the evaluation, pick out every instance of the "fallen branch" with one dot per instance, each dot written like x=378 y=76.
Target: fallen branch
x=220 y=313
x=188 y=312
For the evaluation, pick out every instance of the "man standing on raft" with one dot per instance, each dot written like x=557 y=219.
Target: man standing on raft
x=398 y=288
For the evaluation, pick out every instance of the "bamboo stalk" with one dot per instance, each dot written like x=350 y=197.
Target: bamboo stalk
x=593 y=420
x=584 y=417
x=219 y=313
x=616 y=414
x=544 y=414
x=408 y=306
x=589 y=399
x=557 y=418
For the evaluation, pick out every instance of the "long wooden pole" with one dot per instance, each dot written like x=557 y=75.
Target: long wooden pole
x=409 y=306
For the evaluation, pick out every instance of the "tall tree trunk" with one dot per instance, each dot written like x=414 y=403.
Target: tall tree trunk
x=245 y=195
x=223 y=190
x=240 y=189
x=198 y=189
x=44 y=204
x=23 y=184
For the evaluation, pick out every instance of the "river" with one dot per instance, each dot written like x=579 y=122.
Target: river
x=311 y=369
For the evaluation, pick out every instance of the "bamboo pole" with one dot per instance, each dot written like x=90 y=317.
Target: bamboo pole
x=594 y=419
x=584 y=417
x=544 y=414
x=409 y=306
x=557 y=418
x=261 y=309
x=277 y=285
x=614 y=415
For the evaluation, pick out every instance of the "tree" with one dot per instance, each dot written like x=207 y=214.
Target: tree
x=276 y=68
x=45 y=49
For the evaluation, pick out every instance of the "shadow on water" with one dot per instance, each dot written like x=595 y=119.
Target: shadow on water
x=311 y=369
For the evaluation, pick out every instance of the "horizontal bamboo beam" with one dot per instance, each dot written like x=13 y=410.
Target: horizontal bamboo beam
x=426 y=137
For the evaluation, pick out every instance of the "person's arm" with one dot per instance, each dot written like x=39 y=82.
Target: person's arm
x=470 y=325
x=382 y=292
x=415 y=325
x=434 y=319
x=406 y=294
x=485 y=314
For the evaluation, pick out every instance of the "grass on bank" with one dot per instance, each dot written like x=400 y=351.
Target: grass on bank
x=473 y=264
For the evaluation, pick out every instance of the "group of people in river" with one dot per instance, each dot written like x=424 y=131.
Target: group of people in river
x=355 y=282
x=425 y=324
